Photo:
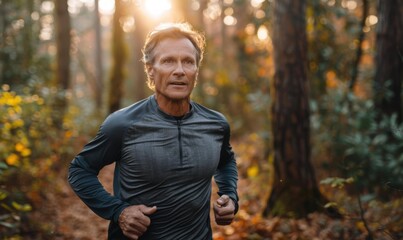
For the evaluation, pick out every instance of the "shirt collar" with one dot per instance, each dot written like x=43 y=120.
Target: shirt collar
x=167 y=116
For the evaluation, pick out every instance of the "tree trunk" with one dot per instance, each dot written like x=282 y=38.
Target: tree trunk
x=119 y=55
x=355 y=65
x=139 y=36
x=28 y=37
x=98 y=58
x=198 y=23
x=295 y=192
x=389 y=58
x=63 y=41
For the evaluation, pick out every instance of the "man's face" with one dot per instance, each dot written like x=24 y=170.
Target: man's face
x=174 y=70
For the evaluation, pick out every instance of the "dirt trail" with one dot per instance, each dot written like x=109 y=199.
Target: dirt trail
x=74 y=220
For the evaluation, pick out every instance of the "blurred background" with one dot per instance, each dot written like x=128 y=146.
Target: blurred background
x=312 y=90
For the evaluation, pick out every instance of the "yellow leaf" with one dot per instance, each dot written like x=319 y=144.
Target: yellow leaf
x=68 y=134
x=330 y=204
x=19 y=147
x=7 y=126
x=3 y=195
x=360 y=225
x=18 y=123
x=21 y=207
x=253 y=171
x=33 y=133
x=13 y=160
x=26 y=152
x=271 y=158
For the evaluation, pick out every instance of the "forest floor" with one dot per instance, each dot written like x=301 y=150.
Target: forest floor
x=62 y=216
x=70 y=219
x=74 y=219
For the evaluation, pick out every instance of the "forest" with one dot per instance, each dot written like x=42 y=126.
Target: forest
x=312 y=90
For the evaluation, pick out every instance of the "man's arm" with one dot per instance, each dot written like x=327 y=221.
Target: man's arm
x=83 y=172
x=85 y=184
x=226 y=178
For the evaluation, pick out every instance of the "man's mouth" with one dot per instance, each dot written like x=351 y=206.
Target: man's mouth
x=178 y=83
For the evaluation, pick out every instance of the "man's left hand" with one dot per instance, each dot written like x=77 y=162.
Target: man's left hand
x=224 y=210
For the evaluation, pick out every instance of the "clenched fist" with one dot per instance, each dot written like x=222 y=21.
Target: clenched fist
x=224 y=210
x=134 y=220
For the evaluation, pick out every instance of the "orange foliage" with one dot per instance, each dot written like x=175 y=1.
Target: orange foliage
x=331 y=79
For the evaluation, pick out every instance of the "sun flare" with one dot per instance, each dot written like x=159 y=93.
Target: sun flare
x=157 y=8
x=106 y=7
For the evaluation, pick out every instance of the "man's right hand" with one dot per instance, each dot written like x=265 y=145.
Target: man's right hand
x=134 y=220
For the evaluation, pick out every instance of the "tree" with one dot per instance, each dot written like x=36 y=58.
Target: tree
x=354 y=74
x=295 y=192
x=139 y=35
x=63 y=41
x=389 y=58
x=119 y=55
x=19 y=41
x=98 y=57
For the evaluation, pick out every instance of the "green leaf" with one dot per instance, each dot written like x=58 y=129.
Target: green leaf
x=3 y=165
x=4 y=217
x=6 y=207
x=367 y=197
x=397 y=132
x=8 y=225
x=337 y=182
x=330 y=204
x=21 y=207
x=3 y=195
x=379 y=139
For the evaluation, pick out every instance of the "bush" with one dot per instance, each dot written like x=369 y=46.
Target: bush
x=30 y=151
x=361 y=146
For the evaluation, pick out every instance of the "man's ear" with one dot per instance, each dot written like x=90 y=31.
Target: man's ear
x=150 y=72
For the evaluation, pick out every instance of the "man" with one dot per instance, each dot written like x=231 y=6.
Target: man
x=166 y=149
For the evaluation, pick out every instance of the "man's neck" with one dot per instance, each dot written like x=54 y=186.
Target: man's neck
x=175 y=108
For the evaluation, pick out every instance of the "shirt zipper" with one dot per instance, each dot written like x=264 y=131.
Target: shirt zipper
x=178 y=123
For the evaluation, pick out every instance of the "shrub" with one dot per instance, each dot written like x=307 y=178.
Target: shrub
x=31 y=148
x=361 y=146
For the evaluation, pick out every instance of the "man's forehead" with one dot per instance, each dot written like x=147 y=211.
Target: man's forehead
x=175 y=46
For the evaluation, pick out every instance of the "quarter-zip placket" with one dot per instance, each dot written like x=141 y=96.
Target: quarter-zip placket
x=178 y=123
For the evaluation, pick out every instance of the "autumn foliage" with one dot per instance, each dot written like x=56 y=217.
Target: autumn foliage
x=356 y=149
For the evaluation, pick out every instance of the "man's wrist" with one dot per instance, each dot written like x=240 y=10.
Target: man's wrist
x=116 y=216
x=235 y=205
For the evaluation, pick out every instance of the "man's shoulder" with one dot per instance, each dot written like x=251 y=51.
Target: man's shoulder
x=124 y=117
x=208 y=112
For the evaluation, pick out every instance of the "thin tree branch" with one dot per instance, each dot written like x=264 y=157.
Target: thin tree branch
x=354 y=75
x=370 y=235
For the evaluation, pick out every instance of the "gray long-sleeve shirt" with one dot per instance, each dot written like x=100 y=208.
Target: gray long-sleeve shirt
x=160 y=161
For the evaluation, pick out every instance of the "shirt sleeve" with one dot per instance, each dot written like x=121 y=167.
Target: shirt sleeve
x=226 y=175
x=83 y=172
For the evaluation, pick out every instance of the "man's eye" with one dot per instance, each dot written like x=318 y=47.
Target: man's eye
x=189 y=62
x=168 y=60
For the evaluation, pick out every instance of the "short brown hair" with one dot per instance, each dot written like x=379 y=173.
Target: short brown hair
x=172 y=30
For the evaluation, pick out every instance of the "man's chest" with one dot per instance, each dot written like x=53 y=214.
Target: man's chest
x=158 y=152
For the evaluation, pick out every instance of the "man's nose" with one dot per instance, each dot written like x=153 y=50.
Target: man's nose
x=179 y=69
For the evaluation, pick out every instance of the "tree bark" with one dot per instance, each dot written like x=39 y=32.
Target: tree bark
x=295 y=192
x=63 y=42
x=354 y=75
x=119 y=55
x=28 y=37
x=98 y=58
x=139 y=36
x=389 y=58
